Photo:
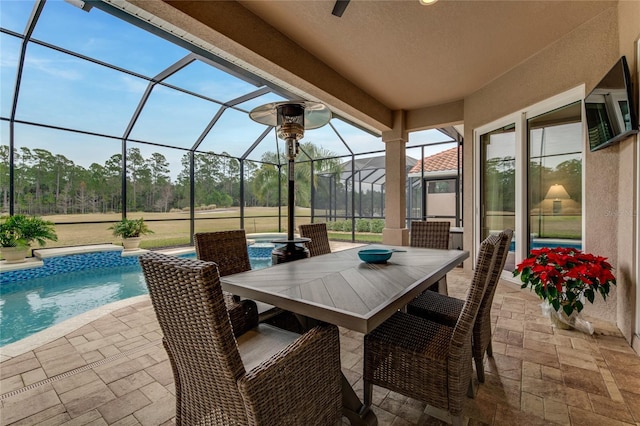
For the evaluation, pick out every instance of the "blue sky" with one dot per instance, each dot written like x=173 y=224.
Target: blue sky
x=58 y=89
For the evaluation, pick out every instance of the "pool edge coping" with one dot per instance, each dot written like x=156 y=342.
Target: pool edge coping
x=69 y=325
x=65 y=327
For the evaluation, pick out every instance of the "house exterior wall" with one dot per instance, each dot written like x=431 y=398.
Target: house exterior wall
x=582 y=57
x=628 y=245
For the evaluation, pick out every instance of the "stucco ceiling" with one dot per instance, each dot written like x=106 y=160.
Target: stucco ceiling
x=381 y=56
x=409 y=56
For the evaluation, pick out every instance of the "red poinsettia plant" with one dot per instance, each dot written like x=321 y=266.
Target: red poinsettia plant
x=566 y=276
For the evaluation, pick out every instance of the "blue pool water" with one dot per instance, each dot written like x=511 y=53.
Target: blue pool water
x=551 y=242
x=29 y=306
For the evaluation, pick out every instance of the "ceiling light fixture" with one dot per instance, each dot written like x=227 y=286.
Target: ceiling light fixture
x=427 y=2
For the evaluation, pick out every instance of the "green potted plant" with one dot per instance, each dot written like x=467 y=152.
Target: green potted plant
x=18 y=231
x=130 y=231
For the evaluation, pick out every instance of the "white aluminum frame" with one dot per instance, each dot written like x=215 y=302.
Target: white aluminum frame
x=519 y=118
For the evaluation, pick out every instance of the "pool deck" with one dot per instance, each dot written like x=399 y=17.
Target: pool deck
x=108 y=367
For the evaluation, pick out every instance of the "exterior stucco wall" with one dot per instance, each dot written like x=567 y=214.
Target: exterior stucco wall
x=629 y=31
x=582 y=57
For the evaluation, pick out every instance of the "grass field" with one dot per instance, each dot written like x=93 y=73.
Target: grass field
x=172 y=229
x=544 y=226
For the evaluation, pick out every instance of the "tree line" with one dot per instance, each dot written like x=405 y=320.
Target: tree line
x=47 y=183
x=500 y=180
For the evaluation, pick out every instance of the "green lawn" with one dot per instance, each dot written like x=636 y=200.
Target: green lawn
x=172 y=229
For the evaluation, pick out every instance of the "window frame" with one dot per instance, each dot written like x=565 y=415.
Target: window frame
x=519 y=119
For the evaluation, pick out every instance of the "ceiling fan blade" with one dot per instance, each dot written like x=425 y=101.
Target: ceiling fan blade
x=339 y=7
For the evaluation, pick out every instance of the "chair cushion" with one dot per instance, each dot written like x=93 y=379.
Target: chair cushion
x=414 y=334
x=261 y=343
x=436 y=307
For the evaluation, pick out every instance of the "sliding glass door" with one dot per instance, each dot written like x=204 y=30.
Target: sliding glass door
x=529 y=176
x=498 y=182
x=555 y=178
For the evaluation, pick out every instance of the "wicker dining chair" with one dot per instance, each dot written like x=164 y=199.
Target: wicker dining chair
x=428 y=234
x=446 y=310
x=319 y=243
x=435 y=235
x=423 y=359
x=228 y=249
x=268 y=376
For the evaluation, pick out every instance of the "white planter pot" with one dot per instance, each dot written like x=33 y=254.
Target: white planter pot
x=131 y=243
x=14 y=254
x=566 y=322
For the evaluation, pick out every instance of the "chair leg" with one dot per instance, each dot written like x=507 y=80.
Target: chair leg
x=480 y=369
x=471 y=391
x=489 y=349
x=442 y=286
x=368 y=393
x=457 y=420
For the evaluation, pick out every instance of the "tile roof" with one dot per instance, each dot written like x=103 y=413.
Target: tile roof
x=445 y=160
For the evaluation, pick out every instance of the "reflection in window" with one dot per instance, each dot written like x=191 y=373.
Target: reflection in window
x=498 y=151
x=555 y=178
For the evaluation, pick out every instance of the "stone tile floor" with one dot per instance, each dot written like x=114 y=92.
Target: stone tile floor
x=114 y=371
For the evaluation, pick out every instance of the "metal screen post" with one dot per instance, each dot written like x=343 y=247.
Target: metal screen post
x=192 y=195
x=279 y=197
x=313 y=193
x=241 y=194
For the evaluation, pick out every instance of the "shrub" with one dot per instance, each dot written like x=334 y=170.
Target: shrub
x=376 y=226
x=363 y=225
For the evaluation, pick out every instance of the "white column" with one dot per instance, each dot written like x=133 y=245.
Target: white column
x=395 y=231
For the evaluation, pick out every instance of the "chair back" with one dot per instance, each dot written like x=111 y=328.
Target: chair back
x=483 y=320
x=460 y=352
x=187 y=299
x=430 y=234
x=228 y=249
x=319 y=243
x=484 y=264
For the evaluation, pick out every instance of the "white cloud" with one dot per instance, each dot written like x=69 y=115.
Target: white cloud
x=55 y=68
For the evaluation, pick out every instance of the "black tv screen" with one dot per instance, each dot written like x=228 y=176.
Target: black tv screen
x=610 y=109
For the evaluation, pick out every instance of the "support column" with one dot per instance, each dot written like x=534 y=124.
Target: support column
x=395 y=230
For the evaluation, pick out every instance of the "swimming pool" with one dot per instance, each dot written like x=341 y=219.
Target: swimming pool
x=29 y=306
x=538 y=243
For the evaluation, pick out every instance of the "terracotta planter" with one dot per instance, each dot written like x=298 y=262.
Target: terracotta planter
x=14 y=254
x=131 y=243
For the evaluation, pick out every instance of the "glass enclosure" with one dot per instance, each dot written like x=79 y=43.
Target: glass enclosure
x=111 y=118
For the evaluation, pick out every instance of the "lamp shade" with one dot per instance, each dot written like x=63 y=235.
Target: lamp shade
x=557 y=192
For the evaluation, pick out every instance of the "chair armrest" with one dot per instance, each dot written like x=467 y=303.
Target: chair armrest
x=301 y=384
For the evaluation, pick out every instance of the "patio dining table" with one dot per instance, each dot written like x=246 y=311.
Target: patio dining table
x=338 y=288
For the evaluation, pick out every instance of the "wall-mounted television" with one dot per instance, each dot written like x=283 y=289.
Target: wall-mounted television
x=610 y=108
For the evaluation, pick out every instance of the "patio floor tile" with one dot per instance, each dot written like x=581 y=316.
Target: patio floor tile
x=114 y=371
